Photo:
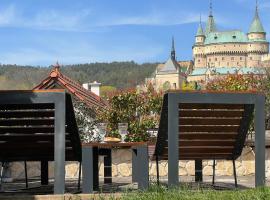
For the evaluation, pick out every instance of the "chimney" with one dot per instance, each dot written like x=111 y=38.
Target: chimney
x=93 y=87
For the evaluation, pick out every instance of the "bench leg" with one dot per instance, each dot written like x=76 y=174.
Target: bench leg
x=44 y=172
x=134 y=165
x=108 y=166
x=214 y=171
x=141 y=168
x=234 y=173
x=198 y=171
x=79 y=178
x=89 y=169
x=25 y=173
x=157 y=167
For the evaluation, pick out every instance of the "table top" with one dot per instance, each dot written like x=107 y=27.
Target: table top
x=115 y=144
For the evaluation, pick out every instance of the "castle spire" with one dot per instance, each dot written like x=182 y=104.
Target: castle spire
x=256 y=25
x=210 y=9
x=173 y=50
x=200 y=28
x=210 y=25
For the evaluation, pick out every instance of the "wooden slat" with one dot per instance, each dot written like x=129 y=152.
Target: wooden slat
x=26 y=106
x=27 y=122
x=33 y=145
x=205 y=128
x=206 y=142
x=209 y=113
x=211 y=106
x=206 y=136
x=198 y=149
x=26 y=130
x=26 y=114
x=201 y=156
x=42 y=149
x=209 y=121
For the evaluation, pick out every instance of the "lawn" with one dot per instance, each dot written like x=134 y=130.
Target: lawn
x=184 y=193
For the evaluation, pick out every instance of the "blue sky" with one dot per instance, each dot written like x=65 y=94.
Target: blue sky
x=39 y=32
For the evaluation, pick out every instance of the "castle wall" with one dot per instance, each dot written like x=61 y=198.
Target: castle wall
x=230 y=54
x=253 y=36
x=173 y=79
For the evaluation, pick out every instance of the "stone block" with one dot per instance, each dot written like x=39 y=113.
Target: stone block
x=190 y=167
x=208 y=171
x=17 y=170
x=182 y=171
x=124 y=169
x=249 y=166
x=72 y=170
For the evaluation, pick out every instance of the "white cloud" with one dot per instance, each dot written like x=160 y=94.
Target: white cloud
x=11 y=16
x=160 y=19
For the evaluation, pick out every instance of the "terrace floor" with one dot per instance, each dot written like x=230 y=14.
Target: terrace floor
x=124 y=185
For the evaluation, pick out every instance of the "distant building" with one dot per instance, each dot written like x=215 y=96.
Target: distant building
x=171 y=74
x=218 y=53
x=89 y=94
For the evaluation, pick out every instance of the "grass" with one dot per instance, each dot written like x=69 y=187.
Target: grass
x=160 y=193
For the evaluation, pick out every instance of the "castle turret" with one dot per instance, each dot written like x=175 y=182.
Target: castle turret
x=210 y=25
x=258 y=44
x=200 y=37
x=256 y=30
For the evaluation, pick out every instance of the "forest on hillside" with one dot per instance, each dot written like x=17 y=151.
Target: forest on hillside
x=116 y=74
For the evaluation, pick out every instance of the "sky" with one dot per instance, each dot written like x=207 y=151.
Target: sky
x=41 y=32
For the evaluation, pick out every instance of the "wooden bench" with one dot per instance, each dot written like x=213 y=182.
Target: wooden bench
x=39 y=126
x=210 y=126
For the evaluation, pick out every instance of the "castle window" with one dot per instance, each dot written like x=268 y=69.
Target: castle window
x=234 y=37
x=222 y=58
x=209 y=59
x=240 y=58
x=199 y=60
x=215 y=37
x=215 y=59
x=237 y=63
x=232 y=58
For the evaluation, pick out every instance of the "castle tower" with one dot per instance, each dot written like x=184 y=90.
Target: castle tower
x=198 y=48
x=256 y=30
x=210 y=25
x=258 y=44
x=200 y=37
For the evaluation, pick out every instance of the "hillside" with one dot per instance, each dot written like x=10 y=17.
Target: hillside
x=117 y=74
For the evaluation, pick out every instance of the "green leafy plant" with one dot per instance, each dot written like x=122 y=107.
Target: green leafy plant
x=140 y=109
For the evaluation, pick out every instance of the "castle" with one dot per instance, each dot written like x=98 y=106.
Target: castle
x=217 y=53
x=221 y=52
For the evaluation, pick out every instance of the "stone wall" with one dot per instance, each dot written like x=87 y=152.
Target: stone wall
x=121 y=166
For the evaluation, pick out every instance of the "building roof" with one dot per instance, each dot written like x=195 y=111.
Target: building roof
x=170 y=66
x=256 y=25
x=226 y=37
x=210 y=25
x=58 y=80
x=200 y=30
x=199 y=71
x=228 y=70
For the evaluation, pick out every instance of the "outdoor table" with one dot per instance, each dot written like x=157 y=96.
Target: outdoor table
x=90 y=156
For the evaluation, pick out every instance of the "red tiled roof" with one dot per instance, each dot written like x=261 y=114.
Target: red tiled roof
x=56 y=78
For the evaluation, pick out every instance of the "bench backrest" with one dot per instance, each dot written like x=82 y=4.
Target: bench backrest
x=206 y=130
x=27 y=126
